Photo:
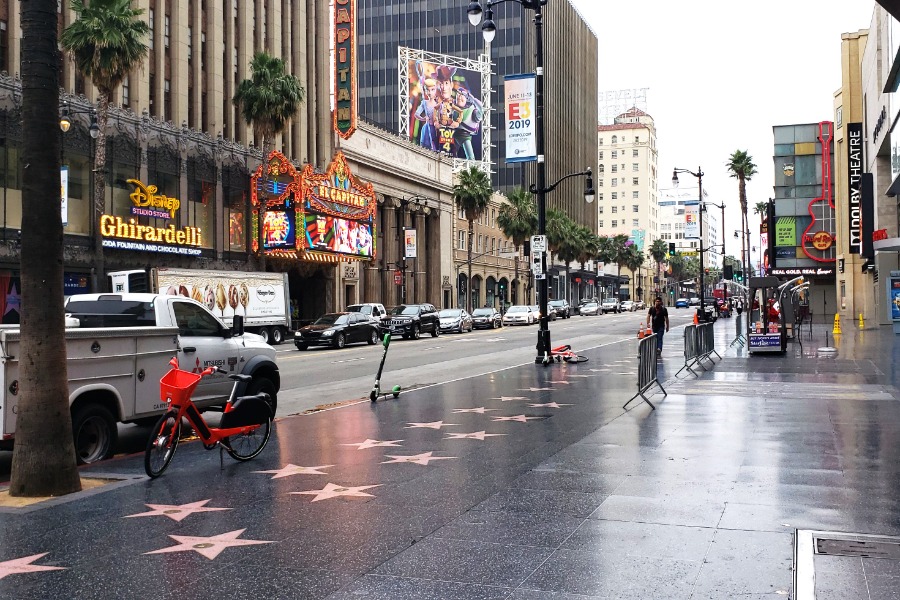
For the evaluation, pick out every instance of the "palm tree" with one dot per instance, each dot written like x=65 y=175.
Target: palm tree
x=106 y=42
x=44 y=454
x=518 y=221
x=632 y=259
x=658 y=252
x=740 y=166
x=618 y=248
x=587 y=246
x=472 y=192
x=267 y=101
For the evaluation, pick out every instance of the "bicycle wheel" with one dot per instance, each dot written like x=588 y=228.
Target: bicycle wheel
x=162 y=444
x=576 y=359
x=248 y=445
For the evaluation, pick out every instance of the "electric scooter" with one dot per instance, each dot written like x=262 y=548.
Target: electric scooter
x=376 y=392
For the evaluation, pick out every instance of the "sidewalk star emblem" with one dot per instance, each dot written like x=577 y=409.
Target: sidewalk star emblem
x=176 y=512
x=562 y=382
x=332 y=490
x=419 y=459
x=373 y=444
x=210 y=547
x=518 y=418
x=23 y=565
x=480 y=410
x=290 y=469
x=478 y=435
x=432 y=425
x=510 y=398
x=534 y=389
x=550 y=405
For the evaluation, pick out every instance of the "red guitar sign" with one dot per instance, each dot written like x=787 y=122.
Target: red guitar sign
x=818 y=237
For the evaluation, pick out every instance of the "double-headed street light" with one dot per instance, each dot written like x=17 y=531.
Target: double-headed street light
x=699 y=176
x=489 y=30
x=65 y=118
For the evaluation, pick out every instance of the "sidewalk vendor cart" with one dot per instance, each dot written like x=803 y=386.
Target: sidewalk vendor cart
x=766 y=332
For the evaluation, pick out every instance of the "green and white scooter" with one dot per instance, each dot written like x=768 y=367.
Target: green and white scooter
x=376 y=391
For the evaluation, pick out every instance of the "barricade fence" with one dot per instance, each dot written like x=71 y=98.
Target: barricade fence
x=647 y=370
x=699 y=344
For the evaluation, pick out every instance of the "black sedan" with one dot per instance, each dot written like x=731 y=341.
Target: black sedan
x=337 y=330
x=487 y=318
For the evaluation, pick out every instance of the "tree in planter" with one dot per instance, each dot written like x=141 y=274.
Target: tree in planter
x=107 y=42
x=44 y=456
x=472 y=192
x=518 y=221
x=267 y=101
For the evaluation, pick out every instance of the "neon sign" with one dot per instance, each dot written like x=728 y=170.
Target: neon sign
x=116 y=227
x=147 y=203
x=345 y=67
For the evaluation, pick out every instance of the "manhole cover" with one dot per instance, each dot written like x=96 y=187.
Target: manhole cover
x=859 y=548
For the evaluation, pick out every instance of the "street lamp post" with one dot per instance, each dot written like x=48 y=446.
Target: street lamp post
x=415 y=205
x=722 y=207
x=699 y=176
x=489 y=30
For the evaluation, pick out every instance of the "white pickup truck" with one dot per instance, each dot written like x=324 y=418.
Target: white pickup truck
x=121 y=348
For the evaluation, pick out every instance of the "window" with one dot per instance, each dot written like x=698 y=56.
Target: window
x=635 y=208
x=601 y=169
x=635 y=223
x=126 y=95
x=615 y=209
x=635 y=167
x=601 y=224
x=166 y=31
x=600 y=209
x=615 y=140
x=150 y=22
x=601 y=141
x=635 y=195
x=600 y=156
x=190 y=43
x=194 y=321
x=637 y=139
x=599 y=183
x=615 y=154
x=615 y=195
x=634 y=153
x=461 y=239
x=600 y=197
x=635 y=181
x=615 y=223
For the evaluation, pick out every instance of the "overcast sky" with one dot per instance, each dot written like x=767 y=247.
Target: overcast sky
x=720 y=74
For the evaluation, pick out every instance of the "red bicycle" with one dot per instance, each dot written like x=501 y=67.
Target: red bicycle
x=243 y=431
x=565 y=353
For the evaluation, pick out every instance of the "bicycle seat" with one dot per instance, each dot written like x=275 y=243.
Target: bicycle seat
x=239 y=377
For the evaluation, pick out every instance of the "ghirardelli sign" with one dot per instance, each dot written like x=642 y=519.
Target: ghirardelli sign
x=854 y=177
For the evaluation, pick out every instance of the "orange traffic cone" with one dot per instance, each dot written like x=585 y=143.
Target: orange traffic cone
x=649 y=331
x=641 y=331
x=696 y=320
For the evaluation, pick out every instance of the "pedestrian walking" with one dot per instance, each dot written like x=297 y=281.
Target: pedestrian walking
x=658 y=319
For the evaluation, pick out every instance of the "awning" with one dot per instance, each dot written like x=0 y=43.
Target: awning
x=887 y=245
x=313 y=256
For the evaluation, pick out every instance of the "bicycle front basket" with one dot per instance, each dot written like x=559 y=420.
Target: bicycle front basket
x=177 y=385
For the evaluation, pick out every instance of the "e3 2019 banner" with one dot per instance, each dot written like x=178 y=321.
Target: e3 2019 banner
x=521 y=121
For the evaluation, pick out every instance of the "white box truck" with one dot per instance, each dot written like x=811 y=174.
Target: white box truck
x=261 y=298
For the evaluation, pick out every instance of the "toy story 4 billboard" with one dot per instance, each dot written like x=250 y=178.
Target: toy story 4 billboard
x=443 y=103
x=316 y=216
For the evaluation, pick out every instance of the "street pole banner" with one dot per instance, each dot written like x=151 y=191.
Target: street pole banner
x=64 y=194
x=521 y=124
x=692 y=220
x=409 y=243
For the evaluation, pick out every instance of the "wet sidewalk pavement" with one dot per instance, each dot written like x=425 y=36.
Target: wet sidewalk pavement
x=529 y=484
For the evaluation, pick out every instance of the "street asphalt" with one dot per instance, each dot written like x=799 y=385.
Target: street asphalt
x=524 y=483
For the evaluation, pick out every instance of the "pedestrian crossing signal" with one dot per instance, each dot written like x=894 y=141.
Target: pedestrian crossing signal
x=671 y=248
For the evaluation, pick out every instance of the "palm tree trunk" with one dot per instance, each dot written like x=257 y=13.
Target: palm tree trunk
x=263 y=199
x=469 y=262
x=516 y=276
x=99 y=282
x=44 y=454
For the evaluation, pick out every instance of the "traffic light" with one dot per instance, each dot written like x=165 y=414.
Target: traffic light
x=706 y=271
x=728 y=274
x=739 y=276
x=671 y=248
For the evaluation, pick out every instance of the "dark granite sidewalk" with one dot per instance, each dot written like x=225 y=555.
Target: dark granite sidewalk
x=528 y=483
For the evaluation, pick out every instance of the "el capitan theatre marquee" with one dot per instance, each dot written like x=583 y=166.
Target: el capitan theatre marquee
x=127 y=234
x=315 y=217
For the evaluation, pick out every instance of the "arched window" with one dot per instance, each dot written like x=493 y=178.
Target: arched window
x=615 y=139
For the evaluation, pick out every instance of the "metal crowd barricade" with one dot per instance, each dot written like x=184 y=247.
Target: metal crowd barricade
x=647 y=370
x=699 y=344
x=690 y=349
x=708 y=343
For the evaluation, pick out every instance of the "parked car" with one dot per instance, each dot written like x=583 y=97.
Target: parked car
x=682 y=303
x=411 y=321
x=337 y=330
x=627 y=306
x=371 y=309
x=486 y=318
x=582 y=302
x=589 y=309
x=694 y=301
x=454 y=319
x=536 y=309
x=610 y=305
x=561 y=308
x=639 y=305
x=519 y=314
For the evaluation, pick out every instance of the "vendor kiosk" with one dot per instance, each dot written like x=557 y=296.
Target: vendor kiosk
x=766 y=331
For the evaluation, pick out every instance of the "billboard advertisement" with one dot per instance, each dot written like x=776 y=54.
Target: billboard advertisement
x=227 y=294
x=334 y=234
x=446 y=106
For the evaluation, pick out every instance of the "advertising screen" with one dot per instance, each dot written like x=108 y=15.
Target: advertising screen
x=278 y=229
x=334 y=234
x=446 y=108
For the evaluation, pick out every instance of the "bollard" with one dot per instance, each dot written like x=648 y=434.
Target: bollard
x=862 y=323
x=837 y=324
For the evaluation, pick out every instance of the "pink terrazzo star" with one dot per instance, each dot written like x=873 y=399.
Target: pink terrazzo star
x=290 y=469
x=210 y=547
x=23 y=565
x=518 y=418
x=478 y=435
x=332 y=490
x=509 y=398
x=550 y=405
x=534 y=389
x=419 y=459
x=432 y=425
x=176 y=512
x=373 y=444
x=480 y=410
x=562 y=382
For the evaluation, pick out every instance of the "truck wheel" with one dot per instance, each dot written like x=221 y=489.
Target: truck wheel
x=264 y=334
x=277 y=336
x=265 y=385
x=95 y=433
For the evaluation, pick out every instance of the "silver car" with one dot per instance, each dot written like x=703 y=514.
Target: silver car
x=591 y=309
x=519 y=314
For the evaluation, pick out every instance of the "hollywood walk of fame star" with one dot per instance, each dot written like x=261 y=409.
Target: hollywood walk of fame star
x=599 y=370
x=518 y=418
x=550 y=405
x=419 y=459
x=374 y=444
x=432 y=425
x=210 y=547
x=480 y=410
x=581 y=376
x=478 y=435
x=176 y=512
x=510 y=398
x=534 y=389
x=562 y=382
x=23 y=565
x=290 y=469
x=332 y=490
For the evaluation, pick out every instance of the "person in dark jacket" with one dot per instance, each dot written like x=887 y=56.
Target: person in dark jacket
x=658 y=319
